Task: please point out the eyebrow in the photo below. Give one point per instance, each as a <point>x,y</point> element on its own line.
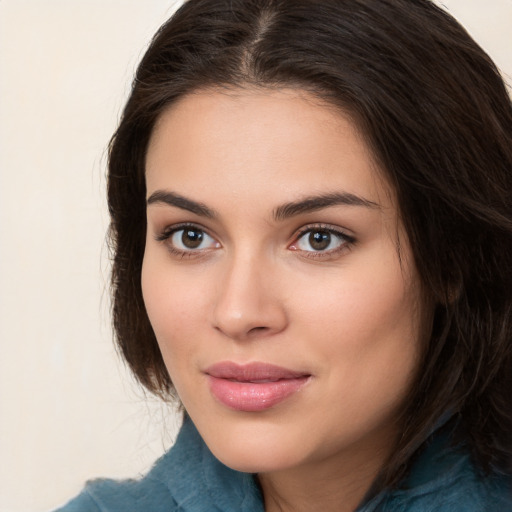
<point>285,211</point>
<point>314,203</point>
<point>173,199</point>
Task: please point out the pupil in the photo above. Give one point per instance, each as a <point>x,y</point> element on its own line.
<point>320,240</point>
<point>192,238</point>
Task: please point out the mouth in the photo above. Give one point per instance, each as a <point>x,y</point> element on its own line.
<point>253,387</point>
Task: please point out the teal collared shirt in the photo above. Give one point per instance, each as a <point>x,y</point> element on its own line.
<point>189,478</point>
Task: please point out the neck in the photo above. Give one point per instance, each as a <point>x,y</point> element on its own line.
<point>338,484</point>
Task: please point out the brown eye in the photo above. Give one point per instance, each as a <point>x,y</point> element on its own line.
<point>319,240</point>
<point>192,238</point>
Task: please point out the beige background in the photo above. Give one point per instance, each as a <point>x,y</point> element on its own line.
<point>68,409</point>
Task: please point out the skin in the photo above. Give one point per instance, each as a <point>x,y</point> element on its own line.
<point>255,289</point>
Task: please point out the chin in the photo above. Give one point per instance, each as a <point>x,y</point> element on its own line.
<point>254,459</point>
<point>253,447</point>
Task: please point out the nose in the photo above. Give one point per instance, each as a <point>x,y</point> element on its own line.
<point>248,302</point>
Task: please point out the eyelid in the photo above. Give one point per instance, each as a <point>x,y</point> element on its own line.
<point>347,240</point>
<point>165,235</point>
<point>340,233</point>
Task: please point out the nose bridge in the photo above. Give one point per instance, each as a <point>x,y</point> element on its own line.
<point>247,302</point>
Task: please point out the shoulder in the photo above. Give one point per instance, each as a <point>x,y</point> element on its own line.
<point>464,493</point>
<point>188,478</point>
<point>149,493</point>
<point>444,479</point>
<point>122,495</point>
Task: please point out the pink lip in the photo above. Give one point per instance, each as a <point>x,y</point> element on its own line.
<point>253,387</point>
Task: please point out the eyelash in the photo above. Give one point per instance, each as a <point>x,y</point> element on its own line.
<point>346,241</point>
<point>169,231</point>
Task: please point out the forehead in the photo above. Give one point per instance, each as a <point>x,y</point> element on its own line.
<point>261,143</point>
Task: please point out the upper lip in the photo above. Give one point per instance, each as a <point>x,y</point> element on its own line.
<point>252,372</point>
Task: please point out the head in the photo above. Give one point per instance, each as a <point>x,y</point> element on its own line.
<point>432,112</point>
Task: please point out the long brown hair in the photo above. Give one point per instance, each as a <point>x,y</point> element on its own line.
<point>436,113</point>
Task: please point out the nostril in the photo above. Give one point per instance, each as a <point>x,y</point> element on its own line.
<point>257,329</point>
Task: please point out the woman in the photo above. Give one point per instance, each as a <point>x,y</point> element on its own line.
<point>312,232</point>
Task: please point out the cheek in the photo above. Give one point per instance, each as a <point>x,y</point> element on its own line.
<point>365,304</point>
<point>173,302</point>
<point>366,328</point>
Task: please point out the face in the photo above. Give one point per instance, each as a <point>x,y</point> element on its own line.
<point>286,317</point>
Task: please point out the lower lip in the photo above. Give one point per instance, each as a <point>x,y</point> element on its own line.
<point>254,396</point>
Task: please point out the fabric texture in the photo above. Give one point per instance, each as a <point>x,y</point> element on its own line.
<point>189,478</point>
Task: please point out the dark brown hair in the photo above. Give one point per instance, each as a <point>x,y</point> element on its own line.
<point>436,113</point>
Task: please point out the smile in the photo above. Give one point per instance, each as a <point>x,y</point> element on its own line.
<point>253,387</point>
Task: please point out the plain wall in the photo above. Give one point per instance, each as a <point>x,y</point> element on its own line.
<point>68,409</point>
